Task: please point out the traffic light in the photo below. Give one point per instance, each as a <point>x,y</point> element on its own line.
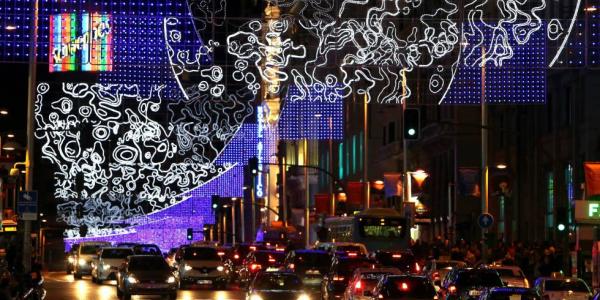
<point>253,165</point>
<point>412,124</point>
<point>561,218</point>
<point>215,202</point>
<point>190,234</point>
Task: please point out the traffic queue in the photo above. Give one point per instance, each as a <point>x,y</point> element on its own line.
<point>327,271</point>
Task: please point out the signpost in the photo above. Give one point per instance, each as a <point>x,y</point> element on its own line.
<point>27,206</point>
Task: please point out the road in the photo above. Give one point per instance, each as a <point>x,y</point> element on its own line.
<point>61,286</point>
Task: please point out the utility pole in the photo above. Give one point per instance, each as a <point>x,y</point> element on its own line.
<point>484,157</point>
<point>307,194</point>
<point>27,249</point>
<point>366,157</point>
<point>406,175</point>
<point>233,222</point>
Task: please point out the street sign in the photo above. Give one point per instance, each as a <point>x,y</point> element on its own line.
<point>485,221</point>
<point>27,206</point>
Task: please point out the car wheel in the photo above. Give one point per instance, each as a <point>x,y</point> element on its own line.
<point>99,281</point>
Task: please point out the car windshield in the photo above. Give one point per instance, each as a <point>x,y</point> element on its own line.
<point>447,264</point>
<point>311,260</point>
<point>200,254</point>
<point>269,257</point>
<point>564,285</point>
<point>89,249</point>
<point>116,253</point>
<point>147,249</point>
<point>479,278</point>
<point>370,280</point>
<point>148,263</point>
<point>408,287</point>
<point>510,273</point>
<point>348,266</point>
<point>278,282</point>
<point>349,248</point>
<point>394,259</point>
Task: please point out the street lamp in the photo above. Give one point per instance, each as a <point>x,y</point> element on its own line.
<point>501,166</point>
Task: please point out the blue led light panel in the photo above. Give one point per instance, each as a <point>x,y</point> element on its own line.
<point>309,118</point>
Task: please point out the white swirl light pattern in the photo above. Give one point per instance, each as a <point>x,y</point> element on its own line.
<point>366,47</point>
<point>116,157</point>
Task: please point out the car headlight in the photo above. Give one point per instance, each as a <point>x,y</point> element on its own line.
<point>187,268</point>
<point>303,297</point>
<point>82,262</point>
<point>255,297</point>
<point>220,268</point>
<point>106,267</point>
<point>71,260</point>
<point>171,279</point>
<point>131,280</point>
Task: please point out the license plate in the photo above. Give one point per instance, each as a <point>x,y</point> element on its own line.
<point>312,281</point>
<point>154,286</point>
<point>474,293</point>
<point>272,269</point>
<point>204,282</point>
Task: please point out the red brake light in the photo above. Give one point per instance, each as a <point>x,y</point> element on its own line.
<point>252,248</point>
<point>292,266</point>
<point>255,267</point>
<point>338,278</point>
<point>352,254</point>
<point>396,255</point>
<point>436,275</point>
<point>280,249</point>
<point>417,267</point>
<point>236,256</point>
<point>271,259</point>
<point>220,253</point>
<point>404,286</point>
<point>358,285</point>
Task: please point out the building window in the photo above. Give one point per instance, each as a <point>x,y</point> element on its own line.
<point>341,160</point>
<point>550,201</point>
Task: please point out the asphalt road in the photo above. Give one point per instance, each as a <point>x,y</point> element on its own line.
<point>60,286</point>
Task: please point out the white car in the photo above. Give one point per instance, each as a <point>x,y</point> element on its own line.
<point>86,254</point>
<point>363,281</point>
<point>512,276</point>
<point>106,266</point>
<point>563,288</point>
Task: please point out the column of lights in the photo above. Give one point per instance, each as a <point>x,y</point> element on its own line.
<point>593,37</point>
<point>310,117</point>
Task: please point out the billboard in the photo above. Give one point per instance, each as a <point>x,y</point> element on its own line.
<point>80,42</point>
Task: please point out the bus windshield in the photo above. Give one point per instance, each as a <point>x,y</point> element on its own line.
<point>381,228</point>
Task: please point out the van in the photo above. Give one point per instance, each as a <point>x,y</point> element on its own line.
<point>86,254</point>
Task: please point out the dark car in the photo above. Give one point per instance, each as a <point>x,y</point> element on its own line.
<point>146,275</point>
<point>276,286</point>
<point>403,260</point>
<point>261,260</point>
<point>469,283</point>
<point>396,287</point>
<point>146,249</point>
<point>310,265</point>
<point>336,280</point>
<point>126,245</point>
<point>508,293</point>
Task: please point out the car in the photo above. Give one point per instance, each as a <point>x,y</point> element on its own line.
<point>469,283</point>
<point>437,269</point>
<point>146,249</point>
<point>336,280</point>
<point>504,293</point>
<point>343,248</point>
<point>239,252</point>
<point>146,275</point>
<point>310,265</point>
<point>106,266</point>
<point>276,286</point>
<point>511,276</point>
<point>171,256</point>
<point>260,260</point>
<point>126,245</point>
<point>403,260</point>
<point>551,288</point>
<point>71,258</point>
<point>201,266</point>
<point>396,287</point>
<point>86,254</point>
<point>362,282</point>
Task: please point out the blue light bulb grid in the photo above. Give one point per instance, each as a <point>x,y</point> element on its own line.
<point>308,118</point>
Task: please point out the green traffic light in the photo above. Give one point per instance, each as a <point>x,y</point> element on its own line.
<point>215,206</point>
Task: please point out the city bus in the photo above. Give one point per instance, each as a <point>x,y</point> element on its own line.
<point>376,228</point>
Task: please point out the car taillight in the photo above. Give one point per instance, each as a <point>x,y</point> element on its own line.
<point>236,256</point>
<point>436,276</point>
<point>280,249</point>
<point>417,267</point>
<point>271,260</point>
<point>526,283</point>
<point>404,286</point>
<point>220,253</point>
<point>396,255</point>
<point>452,290</point>
<point>255,267</point>
<point>252,248</point>
<point>292,266</point>
<point>358,285</point>
<point>338,278</point>
<point>352,254</point>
